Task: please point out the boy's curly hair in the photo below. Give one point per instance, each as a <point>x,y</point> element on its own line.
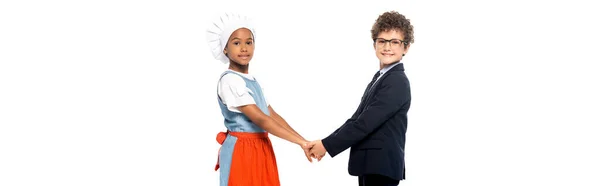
<point>393,20</point>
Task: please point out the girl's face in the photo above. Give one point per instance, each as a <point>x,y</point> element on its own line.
<point>240,47</point>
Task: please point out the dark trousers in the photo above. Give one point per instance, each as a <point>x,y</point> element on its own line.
<point>376,180</point>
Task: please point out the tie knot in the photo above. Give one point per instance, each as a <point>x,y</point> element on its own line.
<point>376,75</point>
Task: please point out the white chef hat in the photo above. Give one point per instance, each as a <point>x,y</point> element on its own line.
<point>220,30</point>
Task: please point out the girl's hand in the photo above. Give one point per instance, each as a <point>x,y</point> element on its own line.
<point>306,148</point>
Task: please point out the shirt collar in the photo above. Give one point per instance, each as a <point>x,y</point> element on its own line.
<point>384,70</point>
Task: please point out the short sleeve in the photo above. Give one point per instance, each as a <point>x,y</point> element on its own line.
<point>233,92</point>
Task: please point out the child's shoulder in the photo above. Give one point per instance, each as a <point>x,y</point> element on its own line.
<point>236,78</point>
<point>237,75</point>
<point>228,77</point>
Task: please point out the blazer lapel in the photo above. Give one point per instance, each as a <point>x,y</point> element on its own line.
<point>368,92</point>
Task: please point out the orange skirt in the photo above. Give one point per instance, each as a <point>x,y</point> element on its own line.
<point>253,162</point>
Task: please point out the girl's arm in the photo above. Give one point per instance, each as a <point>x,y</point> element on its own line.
<point>282,122</point>
<point>270,125</point>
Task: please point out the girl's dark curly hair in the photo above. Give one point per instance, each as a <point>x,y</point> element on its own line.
<point>393,20</point>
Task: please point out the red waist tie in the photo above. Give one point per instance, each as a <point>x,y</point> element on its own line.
<point>221,136</point>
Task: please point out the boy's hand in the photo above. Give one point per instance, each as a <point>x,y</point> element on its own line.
<point>317,149</point>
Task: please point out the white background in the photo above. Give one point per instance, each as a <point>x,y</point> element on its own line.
<point>124,92</point>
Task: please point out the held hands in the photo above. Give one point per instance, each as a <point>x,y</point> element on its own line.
<point>314,150</point>
<point>306,148</point>
<point>317,149</point>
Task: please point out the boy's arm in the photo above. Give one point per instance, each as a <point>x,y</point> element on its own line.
<point>386,102</point>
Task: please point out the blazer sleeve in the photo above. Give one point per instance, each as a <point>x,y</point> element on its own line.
<point>351,118</point>
<point>387,101</point>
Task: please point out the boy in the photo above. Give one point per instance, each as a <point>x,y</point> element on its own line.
<point>376,133</point>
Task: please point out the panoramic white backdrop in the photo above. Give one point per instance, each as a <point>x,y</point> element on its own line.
<point>124,92</point>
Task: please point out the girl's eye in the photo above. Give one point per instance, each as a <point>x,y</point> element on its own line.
<point>249,43</point>
<point>236,43</point>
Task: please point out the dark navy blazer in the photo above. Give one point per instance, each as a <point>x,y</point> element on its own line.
<point>376,133</point>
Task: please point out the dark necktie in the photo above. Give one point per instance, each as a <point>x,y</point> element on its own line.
<point>373,80</point>
<point>370,84</point>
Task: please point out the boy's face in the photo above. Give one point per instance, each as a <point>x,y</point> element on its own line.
<point>240,47</point>
<point>389,47</point>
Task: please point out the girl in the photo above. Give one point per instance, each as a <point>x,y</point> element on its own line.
<point>246,157</point>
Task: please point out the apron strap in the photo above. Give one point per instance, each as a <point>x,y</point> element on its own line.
<point>221,136</point>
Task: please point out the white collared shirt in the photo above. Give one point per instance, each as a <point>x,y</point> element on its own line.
<point>386,69</point>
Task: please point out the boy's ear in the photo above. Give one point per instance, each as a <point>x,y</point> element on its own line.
<point>406,49</point>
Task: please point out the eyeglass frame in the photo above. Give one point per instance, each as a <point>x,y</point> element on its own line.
<point>389,41</point>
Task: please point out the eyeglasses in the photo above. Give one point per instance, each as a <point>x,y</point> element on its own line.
<point>380,42</point>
